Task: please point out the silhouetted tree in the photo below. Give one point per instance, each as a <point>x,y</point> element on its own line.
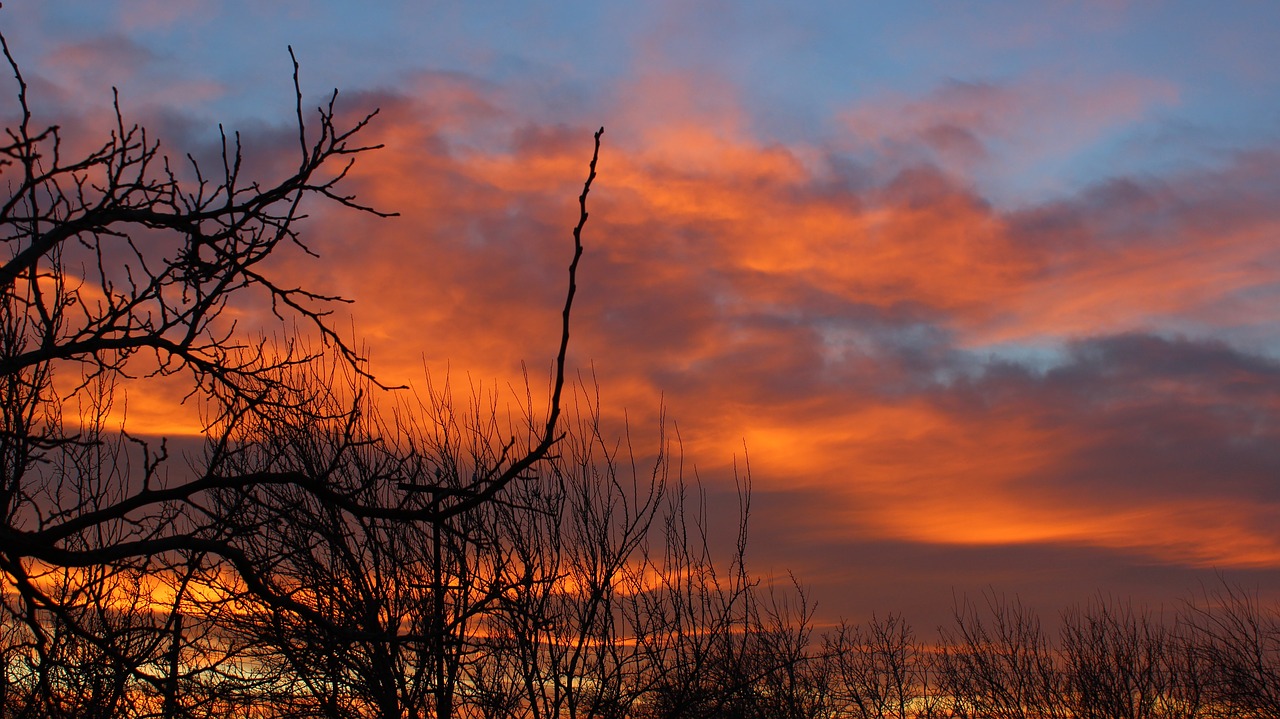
<point>1116,662</point>
<point>999,664</point>
<point>879,671</point>
<point>582,545</point>
<point>399,600</point>
<point>1236,644</point>
<point>121,267</point>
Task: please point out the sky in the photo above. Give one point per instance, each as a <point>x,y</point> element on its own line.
<point>987,292</point>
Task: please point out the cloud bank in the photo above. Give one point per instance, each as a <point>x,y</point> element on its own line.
<point>930,364</point>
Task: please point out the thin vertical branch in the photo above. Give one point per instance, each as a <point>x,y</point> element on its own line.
<point>573,288</point>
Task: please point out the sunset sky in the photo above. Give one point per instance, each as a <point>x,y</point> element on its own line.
<point>989,291</point>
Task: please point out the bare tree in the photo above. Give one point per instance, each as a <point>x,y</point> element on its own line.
<point>999,664</point>
<point>788,679</point>
<point>121,267</point>
<point>1116,663</point>
<point>576,549</point>
<point>1187,671</point>
<point>399,600</point>
<point>1236,643</point>
<point>97,650</point>
<point>584,590</point>
<point>879,671</point>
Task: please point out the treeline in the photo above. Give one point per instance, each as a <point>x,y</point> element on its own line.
<point>587,588</point>
<point>594,587</point>
<point>1216,656</point>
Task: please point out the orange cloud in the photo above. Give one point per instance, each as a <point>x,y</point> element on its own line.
<point>845,320</point>
<point>767,300</point>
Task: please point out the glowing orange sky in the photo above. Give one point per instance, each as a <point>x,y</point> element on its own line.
<point>984,326</point>
<point>716,276</point>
